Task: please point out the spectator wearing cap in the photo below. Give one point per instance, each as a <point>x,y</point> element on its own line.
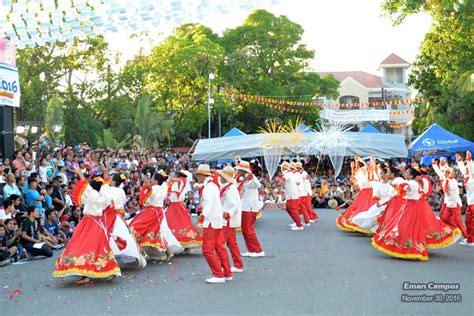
<point>10,187</point>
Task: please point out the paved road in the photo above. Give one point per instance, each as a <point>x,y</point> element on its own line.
<point>321,270</point>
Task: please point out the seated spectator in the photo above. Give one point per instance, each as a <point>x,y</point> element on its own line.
<point>19,206</point>
<point>75,217</point>
<point>67,196</point>
<point>51,225</point>
<point>10,187</point>
<point>333,193</point>
<point>30,236</point>
<point>62,174</point>
<point>7,212</point>
<point>21,183</point>
<point>318,198</point>
<point>33,197</point>
<point>12,233</point>
<point>47,197</point>
<point>6,253</point>
<point>192,203</point>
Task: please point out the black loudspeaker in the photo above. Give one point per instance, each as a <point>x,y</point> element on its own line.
<point>7,136</point>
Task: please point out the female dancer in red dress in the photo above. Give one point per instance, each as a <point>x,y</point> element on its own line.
<point>123,244</point>
<point>146,225</point>
<point>415,228</point>
<point>178,217</point>
<point>88,253</point>
<point>394,206</point>
<point>361,174</point>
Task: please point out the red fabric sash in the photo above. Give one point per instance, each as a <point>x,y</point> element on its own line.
<point>224,190</point>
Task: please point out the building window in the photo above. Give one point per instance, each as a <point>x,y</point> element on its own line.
<point>394,75</point>
<point>348,99</point>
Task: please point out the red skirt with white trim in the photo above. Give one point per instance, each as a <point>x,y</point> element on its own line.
<point>362,202</point>
<point>181,225</point>
<point>145,228</point>
<point>414,229</point>
<point>88,252</point>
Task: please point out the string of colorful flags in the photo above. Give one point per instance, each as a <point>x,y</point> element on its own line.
<point>265,100</point>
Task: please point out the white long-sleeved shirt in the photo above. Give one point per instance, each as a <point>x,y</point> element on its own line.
<point>300,184</point>
<point>291,188</point>
<point>117,195</point>
<point>250,200</point>
<point>384,191</point>
<point>211,205</point>
<point>362,178</point>
<point>451,196</point>
<point>157,196</point>
<point>307,183</point>
<point>94,202</point>
<point>467,172</point>
<point>178,190</point>
<point>232,204</point>
<point>412,190</point>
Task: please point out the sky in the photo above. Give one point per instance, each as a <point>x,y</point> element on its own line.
<point>347,35</point>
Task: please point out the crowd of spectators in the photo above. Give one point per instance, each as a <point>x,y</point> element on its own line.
<point>38,215</point>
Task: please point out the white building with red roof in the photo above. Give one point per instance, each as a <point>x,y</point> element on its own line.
<point>360,90</point>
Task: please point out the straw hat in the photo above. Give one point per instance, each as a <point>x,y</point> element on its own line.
<point>332,203</point>
<point>203,169</point>
<point>244,166</point>
<point>285,166</point>
<point>227,173</point>
<point>293,166</point>
<point>299,165</point>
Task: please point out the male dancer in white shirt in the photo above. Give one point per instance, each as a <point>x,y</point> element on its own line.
<point>213,247</point>
<point>291,195</point>
<point>232,207</point>
<point>248,185</point>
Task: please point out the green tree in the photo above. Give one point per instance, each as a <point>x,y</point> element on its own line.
<point>54,119</point>
<point>178,76</point>
<point>443,71</point>
<point>152,128</point>
<point>265,57</point>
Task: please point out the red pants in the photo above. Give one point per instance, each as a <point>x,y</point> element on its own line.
<point>452,217</point>
<point>248,231</point>
<point>304,209</point>
<point>442,210</point>
<point>470,223</point>
<point>231,240</point>
<point>214,251</point>
<point>309,207</point>
<point>292,207</point>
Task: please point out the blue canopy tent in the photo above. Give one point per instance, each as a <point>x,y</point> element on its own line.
<point>306,128</point>
<point>233,132</point>
<point>369,128</point>
<point>437,140</point>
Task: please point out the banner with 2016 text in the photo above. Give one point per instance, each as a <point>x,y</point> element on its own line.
<point>355,115</point>
<point>9,86</point>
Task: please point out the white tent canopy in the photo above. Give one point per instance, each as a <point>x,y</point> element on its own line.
<point>362,144</point>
